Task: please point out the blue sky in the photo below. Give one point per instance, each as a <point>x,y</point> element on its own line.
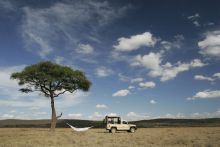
<point>146,59</point>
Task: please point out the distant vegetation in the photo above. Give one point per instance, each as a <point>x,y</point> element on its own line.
<point>210,122</point>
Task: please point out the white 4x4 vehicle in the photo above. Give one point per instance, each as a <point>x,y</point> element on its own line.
<point>114,123</point>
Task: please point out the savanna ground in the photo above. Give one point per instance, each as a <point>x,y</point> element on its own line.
<point>35,137</point>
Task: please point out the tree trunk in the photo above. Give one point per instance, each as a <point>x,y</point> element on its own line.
<point>53,116</point>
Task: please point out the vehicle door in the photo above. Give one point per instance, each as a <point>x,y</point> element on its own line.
<point>125,125</point>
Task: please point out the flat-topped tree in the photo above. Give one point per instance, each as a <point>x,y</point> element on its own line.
<point>52,80</point>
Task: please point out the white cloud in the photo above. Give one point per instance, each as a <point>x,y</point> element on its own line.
<point>176,43</point>
<point>7,5</point>
<point>25,115</point>
<point>101,106</point>
<point>166,45</point>
<point>147,84</point>
<point>118,56</point>
<point>153,62</point>
<point>59,59</point>
<point>136,80</point>
<point>153,102</point>
<point>7,116</point>
<point>210,46</point>
<point>201,77</point>
<point>135,42</point>
<point>21,102</point>
<point>193,17</point>
<point>123,92</point>
<point>18,114</point>
<point>13,111</point>
<point>43,45</point>
<point>197,115</point>
<point>85,49</point>
<point>209,24</point>
<point>123,77</point>
<point>5,73</point>
<point>75,115</point>
<point>196,23</point>
<point>100,116</point>
<point>206,94</point>
<point>70,99</point>
<point>67,22</point>
<point>217,75</point>
<point>112,114</point>
<point>34,100</point>
<point>171,71</point>
<point>175,116</point>
<point>103,71</point>
<point>197,63</point>
<point>131,87</point>
<point>178,38</point>
<point>96,116</point>
<point>131,116</point>
<point>40,113</point>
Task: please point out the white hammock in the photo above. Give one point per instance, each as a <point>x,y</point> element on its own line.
<point>79,129</point>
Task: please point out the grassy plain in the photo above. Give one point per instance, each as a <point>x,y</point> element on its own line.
<point>146,137</point>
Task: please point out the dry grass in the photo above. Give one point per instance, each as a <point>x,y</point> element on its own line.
<point>27,137</point>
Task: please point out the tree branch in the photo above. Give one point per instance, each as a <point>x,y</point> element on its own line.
<point>44,91</point>
<point>59,115</point>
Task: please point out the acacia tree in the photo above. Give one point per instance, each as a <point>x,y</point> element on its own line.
<point>52,80</point>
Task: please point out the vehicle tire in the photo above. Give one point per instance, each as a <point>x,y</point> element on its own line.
<point>132,129</point>
<point>113,130</point>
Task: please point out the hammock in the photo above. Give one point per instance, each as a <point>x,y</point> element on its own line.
<point>79,129</point>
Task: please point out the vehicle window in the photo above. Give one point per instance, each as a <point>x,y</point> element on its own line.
<point>124,122</point>
<point>114,121</point>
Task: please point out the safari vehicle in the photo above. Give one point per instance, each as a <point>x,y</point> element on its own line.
<point>114,123</point>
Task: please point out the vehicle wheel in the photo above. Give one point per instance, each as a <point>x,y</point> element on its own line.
<point>113,130</point>
<point>132,130</point>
